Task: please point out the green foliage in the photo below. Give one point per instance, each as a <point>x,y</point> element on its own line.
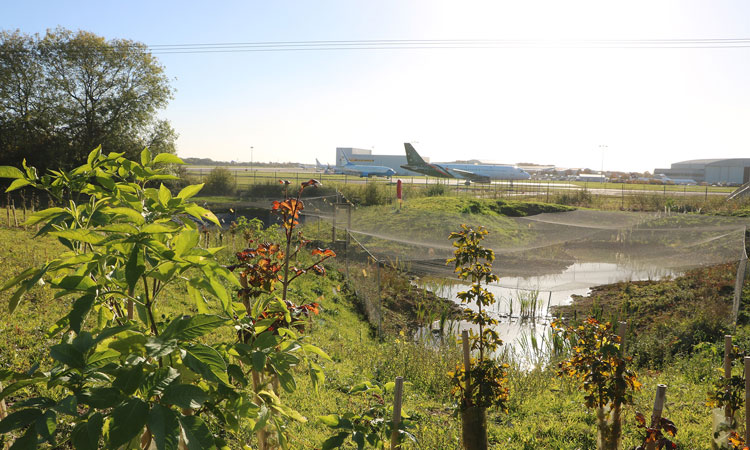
<point>371,425</point>
<point>119,365</point>
<point>729,391</point>
<point>66,92</point>
<point>219,181</point>
<point>435,190</point>
<point>473,263</point>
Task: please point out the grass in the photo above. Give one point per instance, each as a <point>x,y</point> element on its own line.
<point>545,412</point>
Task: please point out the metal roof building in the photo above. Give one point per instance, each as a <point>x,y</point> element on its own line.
<point>732,171</point>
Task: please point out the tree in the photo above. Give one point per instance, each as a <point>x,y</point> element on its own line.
<point>68,92</point>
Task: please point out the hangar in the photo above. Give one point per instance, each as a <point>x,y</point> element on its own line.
<point>732,171</point>
<point>365,157</point>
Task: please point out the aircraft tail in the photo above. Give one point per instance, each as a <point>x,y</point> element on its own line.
<point>345,158</point>
<point>318,165</point>
<point>412,157</point>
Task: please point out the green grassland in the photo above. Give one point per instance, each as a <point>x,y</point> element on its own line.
<point>545,412</point>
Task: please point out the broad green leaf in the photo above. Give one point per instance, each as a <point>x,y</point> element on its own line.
<point>101,397</point>
<point>67,354</point>
<point>76,282</point>
<point>164,195</point>
<point>186,328</point>
<point>197,435</point>
<point>206,361</point>
<point>18,183</point>
<point>133,215</point>
<point>125,228</point>
<point>185,241</point>
<point>20,384</point>
<point>316,350</point>
<point>189,191</point>
<point>287,381</point>
<point>79,235</point>
<point>134,268</point>
<point>200,302</point>
<point>331,420</point>
<point>86,435</point>
<point>21,276</point>
<point>129,379</point>
<point>335,441</point>
<point>10,172</point>
<point>68,405</point>
<point>157,381</point>
<point>127,422</point>
<point>201,213</point>
<point>154,228</point>
<point>19,419</point>
<point>93,155</point>
<point>145,157</point>
<point>43,215</point>
<point>101,359</point>
<point>165,427</point>
<point>185,396</point>
<point>26,442</point>
<point>167,158</point>
<point>259,361</point>
<point>111,331</point>
<point>46,425</point>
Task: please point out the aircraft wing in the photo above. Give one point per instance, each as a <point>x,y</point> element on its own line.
<point>471,176</point>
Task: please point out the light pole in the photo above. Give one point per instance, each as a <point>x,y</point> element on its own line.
<point>602,147</point>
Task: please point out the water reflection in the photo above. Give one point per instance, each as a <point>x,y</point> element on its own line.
<point>523,303</point>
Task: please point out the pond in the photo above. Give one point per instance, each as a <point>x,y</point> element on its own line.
<point>523,303</point>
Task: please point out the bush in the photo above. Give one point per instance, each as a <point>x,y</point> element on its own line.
<point>220,182</point>
<point>435,190</point>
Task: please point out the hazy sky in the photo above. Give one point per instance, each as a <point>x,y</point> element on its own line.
<point>649,106</point>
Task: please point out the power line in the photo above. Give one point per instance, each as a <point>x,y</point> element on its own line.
<point>424,44</point>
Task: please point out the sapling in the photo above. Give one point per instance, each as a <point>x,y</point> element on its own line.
<point>487,377</point>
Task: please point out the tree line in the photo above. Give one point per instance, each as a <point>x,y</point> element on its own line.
<point>65,93</point>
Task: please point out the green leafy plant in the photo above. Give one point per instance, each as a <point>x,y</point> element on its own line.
<point>486,384</point>
<point>120,374</point>
<point>125,375</point>
<point>597,363</point>
<point>371,426</point>
<point>729,392</point>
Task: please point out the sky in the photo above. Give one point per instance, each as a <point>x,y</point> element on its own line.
<point>629,109</point>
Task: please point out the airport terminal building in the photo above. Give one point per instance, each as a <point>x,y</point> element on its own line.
<point>365,157</point>
<point>734,171</point>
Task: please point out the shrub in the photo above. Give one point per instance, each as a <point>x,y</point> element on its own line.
<point>220,182</point>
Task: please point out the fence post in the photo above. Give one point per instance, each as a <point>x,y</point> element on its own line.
<point>467,362</point>
<point>397,398</point>
<point>13,208</point>
<point>728,369</point>
<point>747,398</point>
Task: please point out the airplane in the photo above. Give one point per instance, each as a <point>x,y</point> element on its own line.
<point>478,173</point>
<point>364,171</point>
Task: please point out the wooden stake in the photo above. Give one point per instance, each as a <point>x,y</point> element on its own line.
<point>621,329</point>
<point>15,218</point>
<point>728,369</point>
<point>397,399</point>
<point>467,365</point>
<point>747,398</point>
<point>3,407</point>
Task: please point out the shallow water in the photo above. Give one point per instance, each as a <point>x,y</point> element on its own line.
<point>522,304</point>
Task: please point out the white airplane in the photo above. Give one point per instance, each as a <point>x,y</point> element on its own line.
<point>478,173</point>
